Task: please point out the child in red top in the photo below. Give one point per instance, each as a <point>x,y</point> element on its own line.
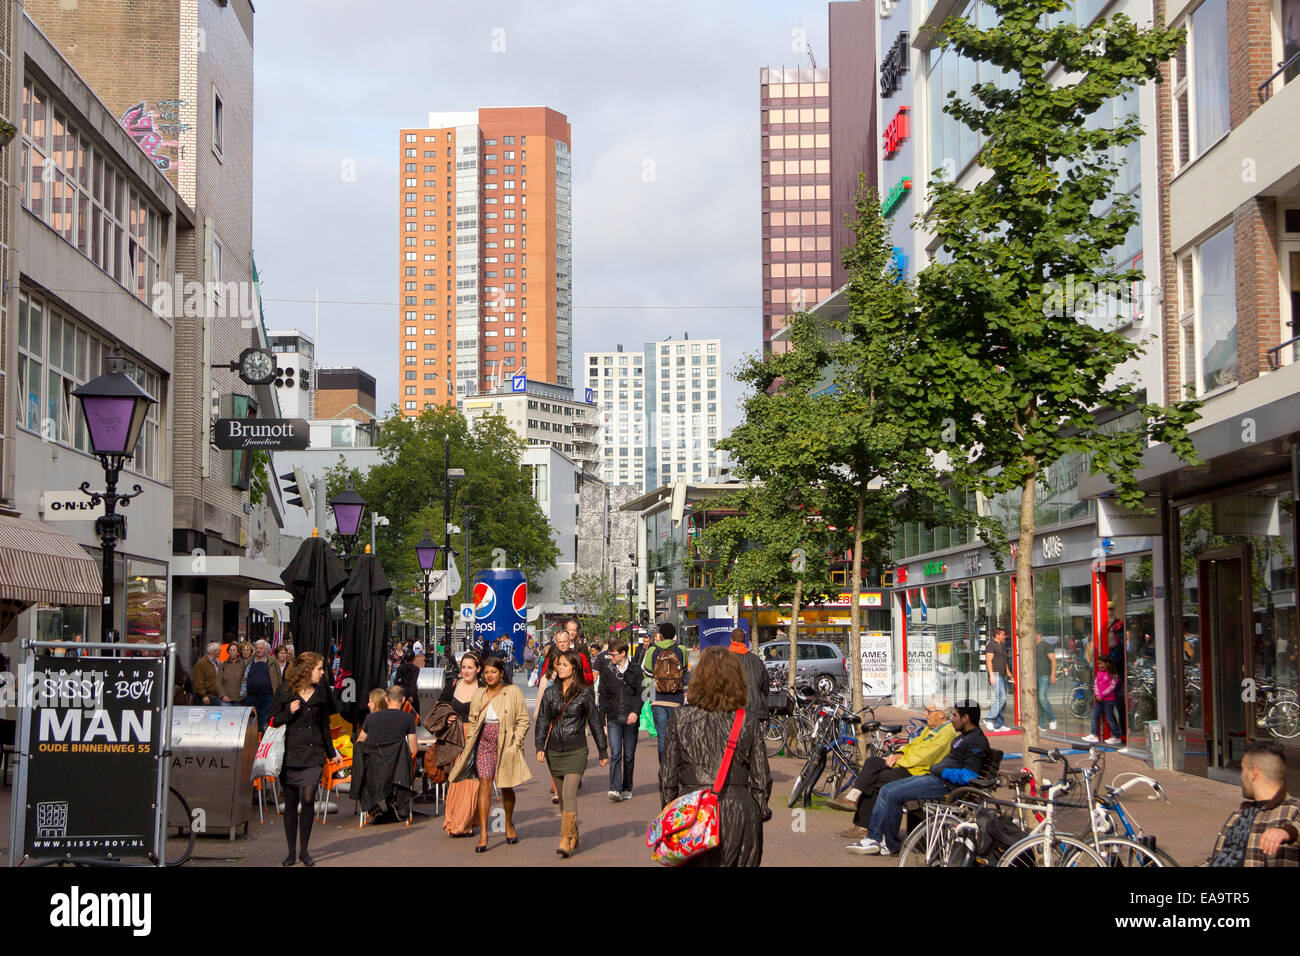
<point>1104,688</point>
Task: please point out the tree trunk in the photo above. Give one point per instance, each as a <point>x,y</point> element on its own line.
<point>855,625</point>
<point>1026,632</point>
<point>794,632</point>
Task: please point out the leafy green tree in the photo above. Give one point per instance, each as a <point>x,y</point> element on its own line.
<point>596,602</point>
<point>505,522</point>
<point>1011,375</point>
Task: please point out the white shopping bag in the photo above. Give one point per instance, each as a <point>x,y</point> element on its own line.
<point>270,753</point>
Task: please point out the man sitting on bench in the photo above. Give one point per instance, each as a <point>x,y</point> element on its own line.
<point>969,751</point>
<point>911,760</point>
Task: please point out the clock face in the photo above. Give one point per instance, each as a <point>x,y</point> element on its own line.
<point>256,367</point>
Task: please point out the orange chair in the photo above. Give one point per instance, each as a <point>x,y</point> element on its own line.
<point>329,782</point>
<point>258,784</point>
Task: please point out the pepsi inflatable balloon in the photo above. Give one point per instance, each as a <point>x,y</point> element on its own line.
<point>501,608</point>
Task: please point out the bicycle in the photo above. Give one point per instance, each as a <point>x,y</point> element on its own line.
<point>831,745</point>
<point>186,827</point>
<point>1282,716</point>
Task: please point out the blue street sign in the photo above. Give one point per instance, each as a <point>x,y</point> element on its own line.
<point>519,383</point>
<point>591,396</point>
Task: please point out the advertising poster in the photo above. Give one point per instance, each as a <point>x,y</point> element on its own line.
<point>716,631</point>
<point>921,683</point>
<point>94,733</point>
<point>877,664</point>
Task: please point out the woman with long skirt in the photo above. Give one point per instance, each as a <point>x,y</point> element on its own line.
<point>494,741</point>
<point>462,797</point>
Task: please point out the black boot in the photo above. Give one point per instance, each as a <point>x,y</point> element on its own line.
<point>290,833</point>
<point>304,834</point>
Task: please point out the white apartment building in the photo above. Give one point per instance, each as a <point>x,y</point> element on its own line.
<point>660,411</point>
<point>542,414</point>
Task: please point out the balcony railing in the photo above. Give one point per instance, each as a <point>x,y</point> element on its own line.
<point>1289,349</point>
<point>1266,88</point>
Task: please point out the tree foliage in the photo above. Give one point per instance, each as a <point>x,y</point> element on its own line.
<point>597,603</point>
<point>495,496</point>
<point>1011,374</point>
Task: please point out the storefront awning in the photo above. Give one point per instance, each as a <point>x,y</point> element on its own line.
<point>245,572</point>
<point>39,565</point>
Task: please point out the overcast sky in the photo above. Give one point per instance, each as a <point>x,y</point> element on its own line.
<point>670,87</point>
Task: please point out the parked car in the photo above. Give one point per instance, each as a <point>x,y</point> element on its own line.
<point>820,661</point>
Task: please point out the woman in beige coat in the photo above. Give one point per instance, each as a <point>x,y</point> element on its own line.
<point>494,740</point>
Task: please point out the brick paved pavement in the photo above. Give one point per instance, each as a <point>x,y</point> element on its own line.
<point>613,834</point>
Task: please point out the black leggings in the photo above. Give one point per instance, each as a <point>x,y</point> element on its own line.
<point>297,826</point>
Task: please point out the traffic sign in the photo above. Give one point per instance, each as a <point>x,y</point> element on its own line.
<point>467,612</point>
<point>438,586</point>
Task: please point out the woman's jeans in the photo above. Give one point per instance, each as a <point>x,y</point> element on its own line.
<point>1112,717</point>
<point>1045,713</point>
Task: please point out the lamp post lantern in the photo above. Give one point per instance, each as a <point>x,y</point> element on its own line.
<point>115,408</point>
<point>348,507</point>
<point>427,553</point>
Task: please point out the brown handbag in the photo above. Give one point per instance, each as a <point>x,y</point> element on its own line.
<point>432,771</point>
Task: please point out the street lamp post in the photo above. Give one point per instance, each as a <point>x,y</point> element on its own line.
<point>348,508</point>
<point>115,408</point>
<point>427,552</point>
<point>630,582</point>
<point>450,475</point>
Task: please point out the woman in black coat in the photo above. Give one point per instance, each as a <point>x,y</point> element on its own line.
<point>303,706</point>
<point>694,745</point>
<point>565,712</point>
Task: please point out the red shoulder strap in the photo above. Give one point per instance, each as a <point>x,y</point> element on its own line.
<point>731,749</point>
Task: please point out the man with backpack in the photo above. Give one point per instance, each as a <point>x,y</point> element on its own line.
<point>665,667</point>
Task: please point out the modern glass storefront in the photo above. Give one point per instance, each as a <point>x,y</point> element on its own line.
<point>1089,603</point>
<point>1236,675</point>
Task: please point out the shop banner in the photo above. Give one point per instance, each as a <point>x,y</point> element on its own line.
<point>920,666</point>
<point>716,631</point>
<point>877,664</point>
<point>94,734</point>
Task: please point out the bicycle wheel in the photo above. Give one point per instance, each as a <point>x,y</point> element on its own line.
<point>808,777</point>
<point>798,737</point>
<point>1060,850</point>
<point>1080,702</point>
<point>838,779</point>
<point>1121,851</point>
<point>773,735</point>
<point>1284,719</point>
<point>184,849</point>
<point>915,847</point>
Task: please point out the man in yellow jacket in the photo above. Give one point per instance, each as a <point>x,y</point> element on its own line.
<point>914,758</point>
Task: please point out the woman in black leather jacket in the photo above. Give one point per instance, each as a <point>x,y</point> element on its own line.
<point>566,709</point>
<point>303,705</point>
<point>694,745</point>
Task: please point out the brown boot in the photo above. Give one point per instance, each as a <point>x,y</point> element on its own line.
<point>568,834</point>
<point>574,849</point>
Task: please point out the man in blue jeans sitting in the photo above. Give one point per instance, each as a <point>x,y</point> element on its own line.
<point>962,765</point>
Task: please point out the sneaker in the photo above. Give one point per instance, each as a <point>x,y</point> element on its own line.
<point>1051,725</point>
<point>988,725</point>
<point>867,847</point>
<point>853,833</point>
<point>1113,741</point>
<point>614,796</point>
<point>1091,739</point>
<point>885,851</point>
<point>626,794</point>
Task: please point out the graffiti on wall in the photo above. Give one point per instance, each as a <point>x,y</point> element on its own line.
<point>157,130</point>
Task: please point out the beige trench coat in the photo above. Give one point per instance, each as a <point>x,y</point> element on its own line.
<point>512,712</point>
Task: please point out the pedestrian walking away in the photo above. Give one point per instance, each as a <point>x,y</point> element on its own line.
<point>1265,830</point>
<point>303,706</point>
<point>619,700</point>
<point>755,676</point>
<point>566,710</point>
<point>665,671</point>
<point>462,797</point>
<point>696,742</point>
<point>494,746</point>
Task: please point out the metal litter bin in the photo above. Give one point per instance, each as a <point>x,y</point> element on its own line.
<point>212,767</point>
<point>428,686</point>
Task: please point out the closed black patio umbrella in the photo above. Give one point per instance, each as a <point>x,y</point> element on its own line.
<point>365,606</point>
<point>312,578</point>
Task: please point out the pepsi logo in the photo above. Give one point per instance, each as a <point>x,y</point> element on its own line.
<point>520,599</point>
<point>485,600</point>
